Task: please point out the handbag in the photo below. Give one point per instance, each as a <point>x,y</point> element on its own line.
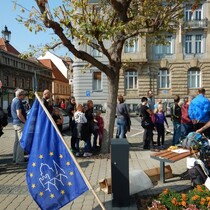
<point>146,123</point>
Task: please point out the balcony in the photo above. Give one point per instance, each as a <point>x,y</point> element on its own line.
<point>194,24</point>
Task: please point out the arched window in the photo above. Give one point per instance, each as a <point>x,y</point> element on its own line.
<point>194,78</point>
<point>131,77</point>
<point>164,78</point>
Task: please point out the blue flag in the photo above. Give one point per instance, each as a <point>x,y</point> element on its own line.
<point>52,176</point>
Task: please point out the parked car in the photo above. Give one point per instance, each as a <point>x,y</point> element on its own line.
<point>65,119</point>
<point>98,107</point>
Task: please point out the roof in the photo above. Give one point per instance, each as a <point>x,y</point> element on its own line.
<point>55,71</point>
<point>6,46</point>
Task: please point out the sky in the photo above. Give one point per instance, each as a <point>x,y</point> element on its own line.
<point>21,38</point>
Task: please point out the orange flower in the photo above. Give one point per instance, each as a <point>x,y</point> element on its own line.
<point>209,203</point>
<point>199,188</point>
<point>165,191</point>
<point>174,201</point>
<point>184,197</point>
<point>195,197</point>
<point>184,203</point>
<point>203,199</point>
<point>208,198</point>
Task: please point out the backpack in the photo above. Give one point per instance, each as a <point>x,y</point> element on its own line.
<point>3,118</point>
<point>197,175</point>
<point>205,156</point>
<point>193,140</point>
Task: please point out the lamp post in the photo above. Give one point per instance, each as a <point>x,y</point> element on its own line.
<point>35,82</point>
<point>6,34</point>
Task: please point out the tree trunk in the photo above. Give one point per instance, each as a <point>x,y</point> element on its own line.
<point>109,119</point>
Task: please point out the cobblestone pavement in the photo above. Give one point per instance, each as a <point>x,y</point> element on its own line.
<point>14,193</point>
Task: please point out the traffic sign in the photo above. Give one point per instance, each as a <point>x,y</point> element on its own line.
<point>87,93</point>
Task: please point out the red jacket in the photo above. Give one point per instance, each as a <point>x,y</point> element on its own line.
<point>185,117</point>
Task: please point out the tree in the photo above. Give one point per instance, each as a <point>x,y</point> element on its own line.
<point>93,22</point>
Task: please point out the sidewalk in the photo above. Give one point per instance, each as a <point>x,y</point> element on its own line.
<point>14,192</point>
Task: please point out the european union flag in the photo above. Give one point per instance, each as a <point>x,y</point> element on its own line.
<point>52,176</point>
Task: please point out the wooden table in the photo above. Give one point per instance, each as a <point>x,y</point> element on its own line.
<point>167,156</point>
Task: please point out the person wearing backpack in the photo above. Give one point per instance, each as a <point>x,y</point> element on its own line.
<point>176,114</point>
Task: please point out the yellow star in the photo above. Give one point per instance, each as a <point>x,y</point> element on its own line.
<point>33,186</point>
<point>52,195</point>
<point>51,154</point>
<point>71,173</point>
<point>31,174</point>
<point>62,192</point>
<point>61,156</point>
<point>40,156</point>
<point>69,183</point>
<point>41,193</point>
<point>68,163</point>
<point>33,164</point>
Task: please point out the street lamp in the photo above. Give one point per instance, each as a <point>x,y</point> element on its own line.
<point>6,34</point>
<point>35,82</point>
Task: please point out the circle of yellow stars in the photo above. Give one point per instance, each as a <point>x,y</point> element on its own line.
<point>70,173</point>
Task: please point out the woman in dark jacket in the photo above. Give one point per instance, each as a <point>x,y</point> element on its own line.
<point>123,118</point>
<point>147,123</point>
<point>89,128</point>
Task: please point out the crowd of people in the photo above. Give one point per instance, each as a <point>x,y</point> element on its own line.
<point>192,114</point>
<point>84,124</point>
<point>187,115</point>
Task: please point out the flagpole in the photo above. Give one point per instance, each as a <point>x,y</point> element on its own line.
<point>72,156</point>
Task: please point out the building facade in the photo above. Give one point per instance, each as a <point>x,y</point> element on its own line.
<point>180,67</point>
<point>60,84</point>
<point>15,72</point>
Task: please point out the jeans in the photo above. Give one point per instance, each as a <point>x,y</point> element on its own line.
<point>177,133</point>
<point>161,133</point>
<point>121,128</point>
<point>147,137</point>
<point>185,129</point>
<point>87,147</point>
<point>18,152</point>
<point>95,137</point>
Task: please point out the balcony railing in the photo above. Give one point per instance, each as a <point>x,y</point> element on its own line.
<point>196,23</point>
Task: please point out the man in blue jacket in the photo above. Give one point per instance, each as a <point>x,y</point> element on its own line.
<point>199,110</point>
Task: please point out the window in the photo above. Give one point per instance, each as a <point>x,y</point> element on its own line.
<point>131,45</point>
<point>28,83</point>
<point>196,15</point>
<point>14,82</point>
<point>164,78</point>
<point>22,83</point>
<point>194,78</point>
<point>188,12</point>
<point>6,81</point>
<point>131,78</point>
<point>165,49</point>
<point>97,85</point>
<point>188,44</point>
<point>194,44</point>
